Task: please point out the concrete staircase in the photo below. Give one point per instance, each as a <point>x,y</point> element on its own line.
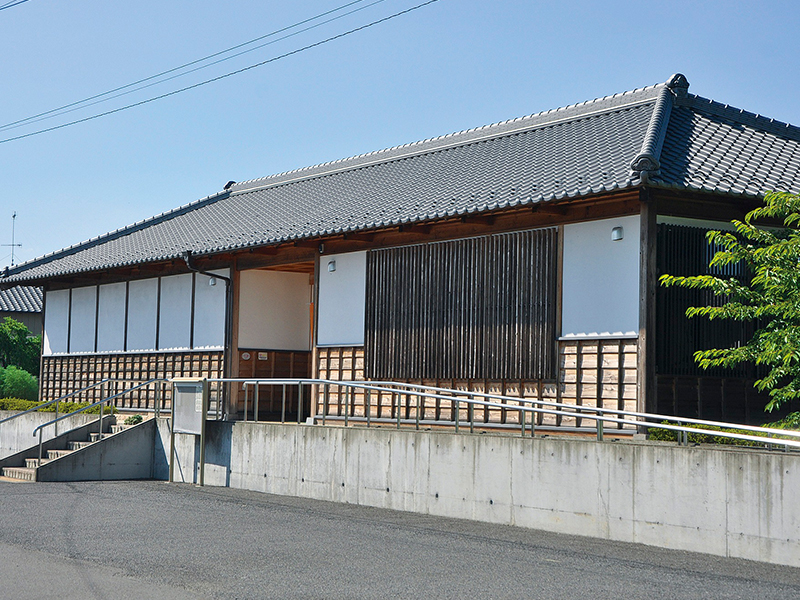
<point>29,471</point>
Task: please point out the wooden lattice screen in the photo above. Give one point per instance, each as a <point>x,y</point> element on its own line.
<point>479,308</point>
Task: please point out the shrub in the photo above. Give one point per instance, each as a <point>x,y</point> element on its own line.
<point>18,383</point>
<point>133,420</point>
<point>63,407</point>
<point>668,435</point>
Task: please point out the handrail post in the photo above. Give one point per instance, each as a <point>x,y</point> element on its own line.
<point>533,419</point>
<point>55,425</point>
<point>599,422</point>
<point>255,402</point>
<point>396,395</point>
<point>283,405</point>
<point>522,420</point>
<point>458,415</point>
<point>367,405</point>
<point>325,394</point>
<point>419,408</point>
<point>472,417</point>
<point>348,392</point>
<point>39,462</point>
<point>300,402</point>
<point>246,392</point>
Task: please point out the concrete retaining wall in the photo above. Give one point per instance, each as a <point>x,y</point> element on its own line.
<point>17,435</point>
<point>738,503</point>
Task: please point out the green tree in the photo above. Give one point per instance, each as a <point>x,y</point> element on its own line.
<point>18,347</point>
<point>769,296</point>
<point>18,383</point>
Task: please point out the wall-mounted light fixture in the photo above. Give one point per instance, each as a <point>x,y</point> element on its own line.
<point>331,266</point>
<point>617,233</point>
<point>212,282</point>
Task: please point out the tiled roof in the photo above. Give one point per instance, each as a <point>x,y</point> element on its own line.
<point>659,135</point>
<point>21,299</point>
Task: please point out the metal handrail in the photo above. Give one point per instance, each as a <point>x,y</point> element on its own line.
<point>40,428</point>
<point>60,399</point>
<point>599,415</point>
<point>596,409</point>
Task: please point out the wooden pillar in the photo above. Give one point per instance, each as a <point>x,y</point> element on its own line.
<point>232,368</point>
<point>646,367</point>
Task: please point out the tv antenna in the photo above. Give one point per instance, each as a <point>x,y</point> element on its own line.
<point>13,244</point>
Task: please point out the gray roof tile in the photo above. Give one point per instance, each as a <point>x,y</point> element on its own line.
<point>675,139</point>
<point>21,298</point>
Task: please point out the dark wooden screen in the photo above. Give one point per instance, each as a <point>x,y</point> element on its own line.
<point>686,251</point>
<point>480,308</point>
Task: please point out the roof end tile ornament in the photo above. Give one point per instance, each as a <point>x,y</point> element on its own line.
<point>646,165</point>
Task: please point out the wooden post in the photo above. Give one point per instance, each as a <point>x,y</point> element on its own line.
<point>645,364</point>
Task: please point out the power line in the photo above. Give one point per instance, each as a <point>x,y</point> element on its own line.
<point>225,76</point>
<point>12,4</point>
<point>105,96</point>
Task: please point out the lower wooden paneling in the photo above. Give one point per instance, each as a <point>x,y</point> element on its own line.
<point>583,364</point>
<point>63,375</point>
<point>597,372</point>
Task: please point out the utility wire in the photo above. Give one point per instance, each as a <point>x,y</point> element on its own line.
<point>105,96</point>
<point>225,76</point>
<point>12,4</point>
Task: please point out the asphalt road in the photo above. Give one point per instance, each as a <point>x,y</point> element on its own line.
<point>155,540</point>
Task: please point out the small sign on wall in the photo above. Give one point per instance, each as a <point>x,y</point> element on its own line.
<point>263,356</point>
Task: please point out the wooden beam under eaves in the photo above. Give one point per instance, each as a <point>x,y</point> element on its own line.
<point>306,244</point>
<point>550,209</point>
<point>359,237</point>
<point>414,228</point>
<point>478,220</point>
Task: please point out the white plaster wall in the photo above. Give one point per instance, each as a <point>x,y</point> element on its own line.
<point>274,310</point>
<point>82,319</point>
<point>111,317</point>
<point>601,279</point>
<point>175,317</point>
<point>342,300</point>
<point>725,502</point>
<point>142,314</point>
<point>209,311</point>
<point>56,322</point>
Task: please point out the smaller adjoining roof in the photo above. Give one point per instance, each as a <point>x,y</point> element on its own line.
<point>22,299</point>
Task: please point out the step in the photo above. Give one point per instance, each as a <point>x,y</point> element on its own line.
<point>118,428</point>
<point>93,437</point>
<point>23,473</point>
<point>52,454</point>
<point>32,463</point>
<point>77,445</point>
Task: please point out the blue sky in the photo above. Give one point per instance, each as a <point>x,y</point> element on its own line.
<point>452,65</point>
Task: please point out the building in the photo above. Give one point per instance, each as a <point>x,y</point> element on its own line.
<point>24,304</point>
<point>520,257</point>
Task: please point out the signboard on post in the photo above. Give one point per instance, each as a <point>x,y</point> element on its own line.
<point>189,410</point>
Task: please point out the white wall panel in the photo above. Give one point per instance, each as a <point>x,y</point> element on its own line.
<point>342,299</point>
<point>274,310</point>
<point>82,319</point>
<point>209,311</point>
<point>601,279</point>
<point>175,320</point>
<point>111,318</point>
<point>142,314</point>
<point>56,322</point>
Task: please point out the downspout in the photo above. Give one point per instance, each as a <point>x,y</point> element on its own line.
<point>226,352</point>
